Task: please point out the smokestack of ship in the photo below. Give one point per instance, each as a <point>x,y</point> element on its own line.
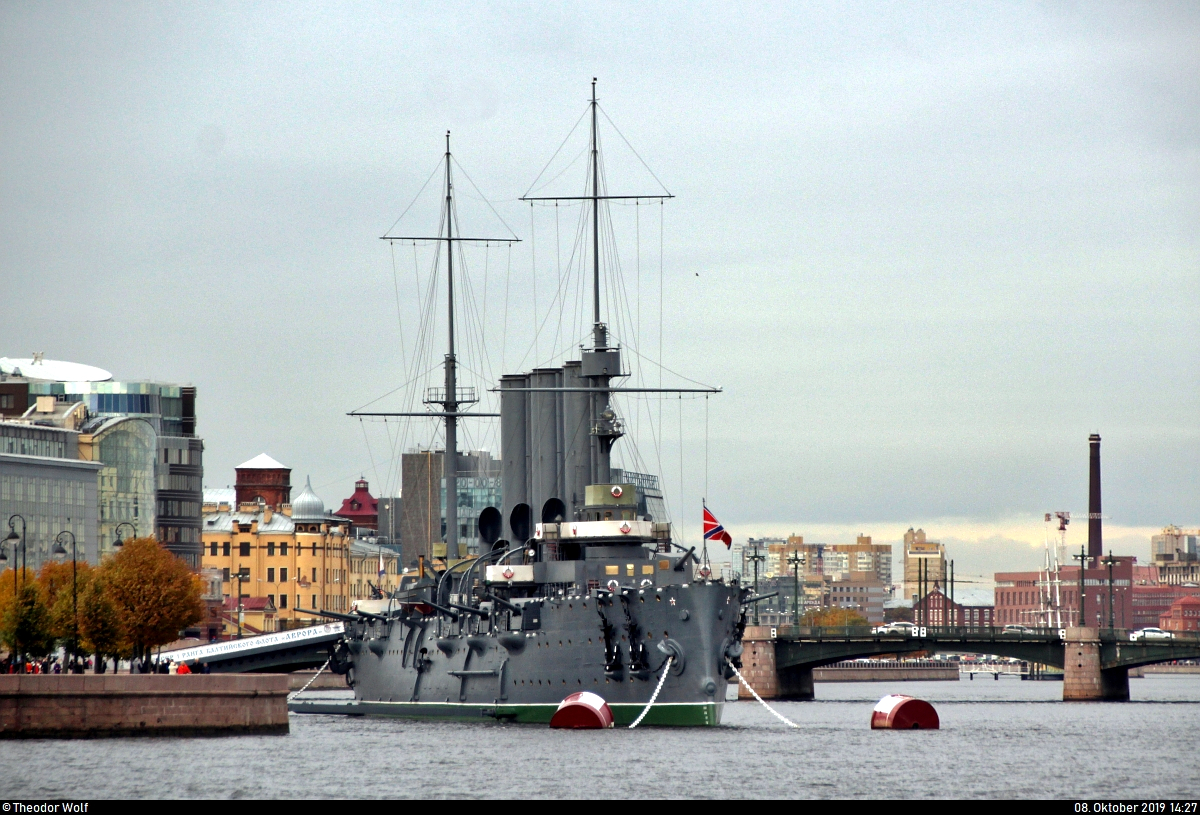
<point>1095,540</point>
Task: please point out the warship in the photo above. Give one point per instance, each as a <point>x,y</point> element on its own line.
<point>576,586</point>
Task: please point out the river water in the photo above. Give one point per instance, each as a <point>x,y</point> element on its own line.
<point>999,739</point>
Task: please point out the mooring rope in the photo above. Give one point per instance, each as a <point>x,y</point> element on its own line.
<point>661,681</point>
<point>309,682</point>
<point>774,712</point>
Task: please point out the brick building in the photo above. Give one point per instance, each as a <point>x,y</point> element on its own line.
<point>936,609</point>
<point>1184,615</point>
<point>1029,598</point>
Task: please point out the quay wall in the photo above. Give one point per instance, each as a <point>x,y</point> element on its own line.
<point>326,681</point>
<point>887,673</point>
<point>1169,669</point>
<point>88,706</point>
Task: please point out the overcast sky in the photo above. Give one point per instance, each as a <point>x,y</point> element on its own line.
<point>925,249</point>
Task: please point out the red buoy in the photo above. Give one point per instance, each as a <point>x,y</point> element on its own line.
<point>584,710</point>
<point>896,712</point>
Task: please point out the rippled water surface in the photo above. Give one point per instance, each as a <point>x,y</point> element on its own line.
<point>1003,738</point>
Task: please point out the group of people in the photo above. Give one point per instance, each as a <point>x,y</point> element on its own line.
<point>49,665</point>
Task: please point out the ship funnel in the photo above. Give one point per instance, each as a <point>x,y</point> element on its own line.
<point>553,511</point>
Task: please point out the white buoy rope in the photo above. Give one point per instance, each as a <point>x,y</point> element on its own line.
<point>661,681</point>
<point>309,682</point>
<point>774,712</point>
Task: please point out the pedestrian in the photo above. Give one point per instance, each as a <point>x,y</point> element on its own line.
<point>183,668</point>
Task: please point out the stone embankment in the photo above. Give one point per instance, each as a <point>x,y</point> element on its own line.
<point>88,706</point>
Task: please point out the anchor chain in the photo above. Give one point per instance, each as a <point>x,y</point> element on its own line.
<point>774,712</point>
<point>662,680</point>
<point>309,682</point>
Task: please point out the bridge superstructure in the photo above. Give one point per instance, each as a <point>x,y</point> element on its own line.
<point>1080,652</point>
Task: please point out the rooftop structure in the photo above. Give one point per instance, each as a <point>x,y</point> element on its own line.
<point>361,508</point>
<point>263,477</point>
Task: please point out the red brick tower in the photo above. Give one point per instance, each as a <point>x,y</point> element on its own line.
<point>264,477</point>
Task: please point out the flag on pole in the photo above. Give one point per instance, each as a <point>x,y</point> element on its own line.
<point>381,567</point>
<point>713,531</point>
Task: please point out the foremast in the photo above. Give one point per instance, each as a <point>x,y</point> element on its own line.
<point>450,399</point>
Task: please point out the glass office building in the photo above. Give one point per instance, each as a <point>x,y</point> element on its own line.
<point>168,413</point>
<point>43,482</point>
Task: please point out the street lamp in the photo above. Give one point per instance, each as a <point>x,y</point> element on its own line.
<point>59,551</point>
<point>241,575</point>
<point>795,559</point>
<point>117,542</point>
<point>757,556</point>
<point>1110,560</point>
<point>13,537</point>
<point>1082,558</point>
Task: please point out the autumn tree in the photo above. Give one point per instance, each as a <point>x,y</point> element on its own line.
<point>26,623</point>
<point>62,585</point>
<point>99,623</point>
<point>156,595</point>
<point>831,617</point>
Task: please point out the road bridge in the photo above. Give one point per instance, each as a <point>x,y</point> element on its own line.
<point>1095,661</point>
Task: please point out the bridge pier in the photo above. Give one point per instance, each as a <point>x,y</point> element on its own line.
<point>796,684</point>
<point>1083,679</point>
<point>758,663</point>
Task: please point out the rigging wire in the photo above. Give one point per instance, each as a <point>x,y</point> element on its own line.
<point>415,197</point>
<point>630,146</point>
<point>556,152</point>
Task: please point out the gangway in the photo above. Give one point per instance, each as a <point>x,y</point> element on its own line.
<point>281,652</point>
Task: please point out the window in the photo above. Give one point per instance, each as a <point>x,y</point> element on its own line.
<point>314,551</point>
<point>270,548</point>
<point>225,548</point>
<point>283,601</point>
<point>213,549</point>
<point>314,605</point>
<point>225,574</point>
<point>244,549</point>
<point>271,578</point>
<point>283,548</point>
<point>271,599</point>
<point>283,575</point>
<point>314,577</point>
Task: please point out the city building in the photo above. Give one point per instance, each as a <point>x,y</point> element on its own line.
<point>423,502</point>
<point>127,450</point>
<point>1150,602</point>
<point>43,480</point>
<point>866,597</point>
<point>263,478</point>
<point>173,512</point>
<point>296,556</point>
<point>1028,598</point>
<point>361,509</point>
<point>1175,553</point>
<point>366,559</point>
<point>936,609</point>
<point>248,617</point>
<point>1184,615</point>
<point>856,562</point>
<point>923,559</point>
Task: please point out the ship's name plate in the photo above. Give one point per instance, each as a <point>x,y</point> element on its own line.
<point>506,573</point>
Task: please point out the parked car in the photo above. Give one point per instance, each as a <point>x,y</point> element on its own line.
<point>1016,629</point>
<point>1151,634</point>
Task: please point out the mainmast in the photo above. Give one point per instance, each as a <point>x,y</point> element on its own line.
<point>597,327</point>
<point>449,401</point>
<point>449,398</point>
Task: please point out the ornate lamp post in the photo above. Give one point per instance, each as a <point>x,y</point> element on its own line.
<point>795,559</point>
<point>117,541</point>
<point>13,538</point>
<point>1082,558</point>
<point>757,557</point>
<point>1110,561</point>
<point>59,551</point>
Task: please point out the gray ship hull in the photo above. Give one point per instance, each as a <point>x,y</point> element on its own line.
<point>519,668</point>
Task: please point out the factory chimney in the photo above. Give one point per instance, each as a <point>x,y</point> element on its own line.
<point>1095,540</point>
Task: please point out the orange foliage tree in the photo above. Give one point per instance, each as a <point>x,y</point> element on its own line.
<point>832,617</point>
<point>155,594</point>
